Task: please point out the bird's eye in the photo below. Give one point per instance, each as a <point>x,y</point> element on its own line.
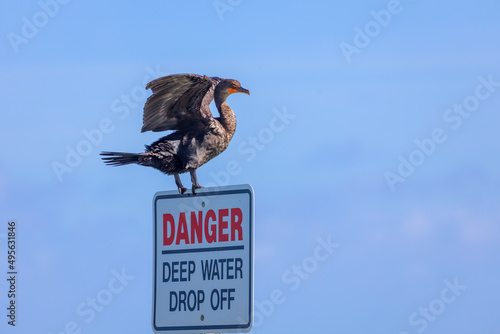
<point>231,85</point>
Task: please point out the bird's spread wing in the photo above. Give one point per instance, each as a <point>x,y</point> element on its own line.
<point>179,102</point>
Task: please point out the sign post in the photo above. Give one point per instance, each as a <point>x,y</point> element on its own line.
<point>203,261</point>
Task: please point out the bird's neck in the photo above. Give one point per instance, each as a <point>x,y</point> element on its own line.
<point>227,117</point>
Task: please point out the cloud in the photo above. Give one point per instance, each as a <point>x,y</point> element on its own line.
<point>418,224</point>
<point>479,230</point>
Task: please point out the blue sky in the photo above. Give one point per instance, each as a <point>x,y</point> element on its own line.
<point>390,151</point>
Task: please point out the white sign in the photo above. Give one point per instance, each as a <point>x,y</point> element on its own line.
<point>203,260</point>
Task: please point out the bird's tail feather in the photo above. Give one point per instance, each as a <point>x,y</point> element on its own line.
<point>120,158</point>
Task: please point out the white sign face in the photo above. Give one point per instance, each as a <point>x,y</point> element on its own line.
<point>203,260</point>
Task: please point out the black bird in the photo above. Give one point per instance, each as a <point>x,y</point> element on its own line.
<point>181,102</point>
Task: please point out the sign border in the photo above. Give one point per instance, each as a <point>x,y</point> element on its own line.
<point>225,190</point>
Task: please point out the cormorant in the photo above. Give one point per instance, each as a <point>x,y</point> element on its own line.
<point>181,102</point>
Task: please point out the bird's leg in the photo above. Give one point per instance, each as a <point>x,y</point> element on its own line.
<point>194,180</point>
<point>178,182</point>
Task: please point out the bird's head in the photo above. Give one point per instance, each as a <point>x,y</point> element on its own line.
<point>230,86</point>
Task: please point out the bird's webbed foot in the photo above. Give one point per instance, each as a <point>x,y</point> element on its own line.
<point>194,181</point>
<point>193,189</point>
<point>180,187</point>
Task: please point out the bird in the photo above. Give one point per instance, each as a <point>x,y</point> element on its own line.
<point>181,102</point>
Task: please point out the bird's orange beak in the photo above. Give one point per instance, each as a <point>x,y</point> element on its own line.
<point>238,90</point>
